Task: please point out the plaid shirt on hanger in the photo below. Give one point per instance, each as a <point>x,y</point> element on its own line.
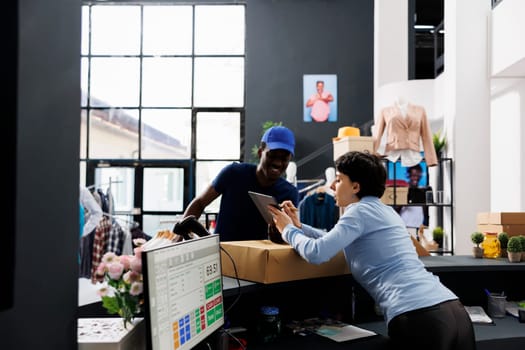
<point>99,246</point>
<point>115,238</point>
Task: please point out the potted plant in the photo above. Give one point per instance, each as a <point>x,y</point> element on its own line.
<point>514,249</point>
<point>439,142</point>
<point>503,238</point>
<point>477,238</point>
<point>522,241</point>
<point>437,235</point>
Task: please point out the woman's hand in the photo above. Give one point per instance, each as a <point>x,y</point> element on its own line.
<point>280,218</point>
<point>292,212</point>
<point>288,214</point>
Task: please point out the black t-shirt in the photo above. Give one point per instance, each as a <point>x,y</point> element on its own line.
<point>238,217</point>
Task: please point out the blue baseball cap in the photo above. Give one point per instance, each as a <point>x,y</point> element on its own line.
<point>279,137</point>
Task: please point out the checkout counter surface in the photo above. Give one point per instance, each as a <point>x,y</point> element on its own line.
<point>465,275</point>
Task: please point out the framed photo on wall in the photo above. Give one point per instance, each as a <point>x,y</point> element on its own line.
<point>320,98</point>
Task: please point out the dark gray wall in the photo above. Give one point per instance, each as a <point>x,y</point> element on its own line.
<point>43,315</point>
<point>289,38</point>
<point>8,71</point>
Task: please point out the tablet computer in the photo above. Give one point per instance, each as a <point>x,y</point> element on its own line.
<point>261,202</point>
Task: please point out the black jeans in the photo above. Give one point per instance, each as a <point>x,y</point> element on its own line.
<point>445,326</point>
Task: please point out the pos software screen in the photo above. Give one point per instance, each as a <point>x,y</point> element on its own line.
<point>183,293</point>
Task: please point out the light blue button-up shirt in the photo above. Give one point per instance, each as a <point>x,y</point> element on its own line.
<point>380,254</point>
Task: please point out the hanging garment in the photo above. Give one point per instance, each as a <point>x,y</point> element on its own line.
<point>104,201</point>
<point>318,209</point>
<point>115,238</point>
<point>127,246</point>
<point>111,202</point>
<point>81,218</point>
<point>92,210</point>
<point>136,232</point>
<point>86,254</point>
<point>405,133</point>
<point>99,245</point>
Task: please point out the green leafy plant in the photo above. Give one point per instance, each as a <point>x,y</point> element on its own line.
<point>503,238</point>
<point>265,126</point>
<point>439,141</point>
<point>521,238</point>
<point>477,238</point>
<point>514,245</point>
<point>437,235</point>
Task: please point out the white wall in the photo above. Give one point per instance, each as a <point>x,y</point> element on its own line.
<point>467,112</point>
<point>390,41</point>
<point>461,100</point>
<point>507,106</point>
<point>508,31</point>
<point>507,149</point>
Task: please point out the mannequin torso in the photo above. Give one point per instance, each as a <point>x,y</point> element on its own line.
<point>406,129</point>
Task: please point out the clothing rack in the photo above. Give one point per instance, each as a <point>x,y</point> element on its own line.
<point>133,224</point>
<point>312,186</point>
<point>105,184</point>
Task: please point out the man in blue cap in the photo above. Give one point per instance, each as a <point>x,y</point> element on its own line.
<point>238,218</point>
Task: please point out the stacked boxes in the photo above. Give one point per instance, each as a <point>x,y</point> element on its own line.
<point>512,223</point>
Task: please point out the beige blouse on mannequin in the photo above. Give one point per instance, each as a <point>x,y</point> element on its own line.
<point>406,128</point>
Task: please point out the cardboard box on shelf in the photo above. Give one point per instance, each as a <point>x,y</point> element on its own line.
<point>482,218</point>
<point>501,218</point>
<point>267,262</point>
<point>400,194</point>
<point>512,230</point>
<point>353,143</point>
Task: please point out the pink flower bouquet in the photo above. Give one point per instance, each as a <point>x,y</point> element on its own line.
<point>121,291</point>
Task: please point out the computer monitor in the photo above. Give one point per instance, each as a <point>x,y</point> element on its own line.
<point>183,293</point>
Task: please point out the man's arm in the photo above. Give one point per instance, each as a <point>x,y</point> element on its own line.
<point>199,203</point>
<point>311,100</point>
<point>328,98</point>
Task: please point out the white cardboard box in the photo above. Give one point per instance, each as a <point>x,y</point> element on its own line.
<point>353,143</point>
<point>110,334</point>
<point>498,218</point>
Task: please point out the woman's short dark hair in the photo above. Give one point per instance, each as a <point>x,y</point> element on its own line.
<point>365,168</point>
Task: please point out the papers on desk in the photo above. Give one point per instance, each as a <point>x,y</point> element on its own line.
<point>332,329</point>
<point>343,333</point>
<point>478,315</point>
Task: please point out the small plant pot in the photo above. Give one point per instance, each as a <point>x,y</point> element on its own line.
<point>514,257</point>
<point>503,253</point>
<point>477,252</point>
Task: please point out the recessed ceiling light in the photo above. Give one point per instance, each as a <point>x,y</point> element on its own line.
<point>423,26</point>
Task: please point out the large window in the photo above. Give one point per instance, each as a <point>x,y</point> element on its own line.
<point>162,87</point>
